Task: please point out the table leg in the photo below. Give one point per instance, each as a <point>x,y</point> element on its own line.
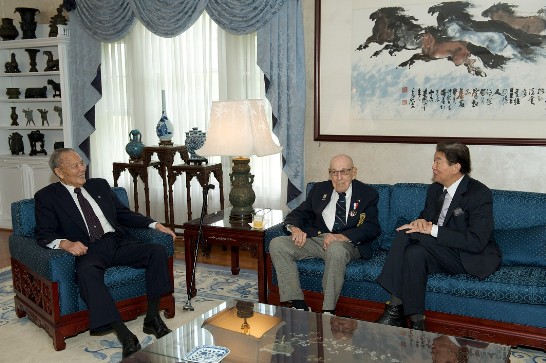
<point>262,277</point>
<point>235,260</point>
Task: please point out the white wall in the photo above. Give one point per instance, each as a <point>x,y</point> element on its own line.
<point>499,167</point>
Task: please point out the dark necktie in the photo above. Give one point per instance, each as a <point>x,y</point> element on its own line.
<point>440,205</point>
<point>93,223</point>
<point>341,207</point>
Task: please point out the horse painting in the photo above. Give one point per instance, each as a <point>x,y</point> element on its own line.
<point>504,12</point>
<point>455,51</point>
<point>393,27</point>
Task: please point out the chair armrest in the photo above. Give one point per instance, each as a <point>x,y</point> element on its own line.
<point>52,265</point>
<point>148,235</point>
<point>272,232</point>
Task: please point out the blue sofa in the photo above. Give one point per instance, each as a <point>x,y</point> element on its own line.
<point>508,307</point>
<point>45,286</point>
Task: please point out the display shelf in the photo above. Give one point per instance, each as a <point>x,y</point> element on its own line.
<point>21,174</point>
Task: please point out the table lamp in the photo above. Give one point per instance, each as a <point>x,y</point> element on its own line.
<point>239,129</point>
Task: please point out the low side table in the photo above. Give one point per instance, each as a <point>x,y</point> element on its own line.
<point>166,155</point>
<point>202,174</point>
<point>136,169</point>
<point>217,229</point>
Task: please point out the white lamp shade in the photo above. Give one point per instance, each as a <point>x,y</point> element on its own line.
<point>238,128</point>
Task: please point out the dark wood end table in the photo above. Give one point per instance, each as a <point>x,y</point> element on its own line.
<point>217,229</point>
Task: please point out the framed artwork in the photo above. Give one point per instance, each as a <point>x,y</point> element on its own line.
<point>420,71</point>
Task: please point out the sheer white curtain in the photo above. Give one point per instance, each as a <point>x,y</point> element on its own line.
<point>201,65</point>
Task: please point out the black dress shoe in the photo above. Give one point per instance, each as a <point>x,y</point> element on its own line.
<point>155,326</point>
<point>130,345</point>
<point>417,325</point>
<point>393,315</point>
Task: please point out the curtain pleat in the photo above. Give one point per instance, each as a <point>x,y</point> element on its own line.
<point>242,16</point>
<point>106,20</point>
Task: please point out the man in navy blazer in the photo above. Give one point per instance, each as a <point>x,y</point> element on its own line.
<point>315,233</point>
<point>61,223</point>
<point>453,235</point>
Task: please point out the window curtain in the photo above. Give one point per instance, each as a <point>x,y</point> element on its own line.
<point>201,65</point>
<point>281,51</point>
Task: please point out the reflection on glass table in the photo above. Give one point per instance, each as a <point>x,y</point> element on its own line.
<point>261,333</point>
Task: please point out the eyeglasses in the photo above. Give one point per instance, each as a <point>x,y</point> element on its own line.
<point>343,172</point>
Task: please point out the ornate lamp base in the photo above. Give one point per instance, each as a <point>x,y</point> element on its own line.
<point>242,195</point>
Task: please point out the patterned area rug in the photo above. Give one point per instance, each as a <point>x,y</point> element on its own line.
<point>214,284</point>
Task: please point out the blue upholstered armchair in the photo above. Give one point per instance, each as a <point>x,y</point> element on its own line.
<point>45,286</point>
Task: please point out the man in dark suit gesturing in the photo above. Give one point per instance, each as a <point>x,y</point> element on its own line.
<point>453,235</point>
<point>336,223</point>
<point>85,218</point>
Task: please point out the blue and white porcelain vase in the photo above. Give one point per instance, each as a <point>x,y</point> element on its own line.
<point>164,128</point>
<point>194,140</point>
<point>135,146</point>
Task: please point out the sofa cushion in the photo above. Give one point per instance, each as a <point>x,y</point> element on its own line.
<point>522,246</point>
<point>514,209</point>
<point>406,202</point>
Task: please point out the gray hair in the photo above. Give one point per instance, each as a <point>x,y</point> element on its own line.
<point>56,156</point>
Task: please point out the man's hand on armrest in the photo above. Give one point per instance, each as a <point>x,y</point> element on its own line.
<point>74,248</point>
<point>162,228</point>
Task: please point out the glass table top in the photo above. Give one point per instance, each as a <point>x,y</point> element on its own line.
<point>260,333</point>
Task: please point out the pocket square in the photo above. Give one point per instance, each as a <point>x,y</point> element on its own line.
<point>458,212</point>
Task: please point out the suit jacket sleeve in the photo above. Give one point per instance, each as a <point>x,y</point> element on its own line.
<point>469,221</point>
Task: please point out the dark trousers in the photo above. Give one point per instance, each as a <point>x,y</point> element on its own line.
<point>411,258</point>
<point>112,250</point>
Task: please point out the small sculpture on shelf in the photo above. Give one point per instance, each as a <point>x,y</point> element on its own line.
<point>29,116</point>
<point>36,137</point>
<point>55,20</point>
<point>32,56</point>
<point>12,66</point>
<point>56,88</point>
<point>59,111</point>
<point>33,92</point>
<point>58,145</point>
<point>43,115</point>
<point>14,117</point>
<point>8,31</point>
<point>15,142</point>
<point>51,64</point>
<point>13,93</point>
<point>28,22</point>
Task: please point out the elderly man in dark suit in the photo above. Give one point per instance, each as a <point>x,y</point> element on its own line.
<point>453,235</point>
<point>336,223</point>
<point>84,218</point>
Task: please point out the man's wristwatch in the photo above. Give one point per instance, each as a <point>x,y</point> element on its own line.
<point>288,228</point>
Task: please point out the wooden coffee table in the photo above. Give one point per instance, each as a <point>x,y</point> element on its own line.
<point>217,229</point>
<point>278,334</point>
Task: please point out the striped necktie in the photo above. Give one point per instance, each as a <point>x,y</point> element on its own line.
<point>93,223</point>
<point>341,207</point>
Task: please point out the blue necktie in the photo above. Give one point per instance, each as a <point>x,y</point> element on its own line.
<point>93,223</point>
<point>341,207</point>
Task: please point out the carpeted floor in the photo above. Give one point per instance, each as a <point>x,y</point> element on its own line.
<point>21,341</point>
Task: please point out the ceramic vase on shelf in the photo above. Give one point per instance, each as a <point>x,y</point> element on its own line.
<point>164,128</point>
<point>8,31</point>
<point>194,140</point>
<point>135,146</point>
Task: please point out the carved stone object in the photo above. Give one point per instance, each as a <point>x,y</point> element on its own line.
<point>28,115</point>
